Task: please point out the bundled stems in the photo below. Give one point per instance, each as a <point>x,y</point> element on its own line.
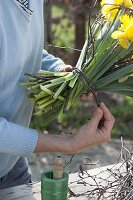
<point>104,65</point>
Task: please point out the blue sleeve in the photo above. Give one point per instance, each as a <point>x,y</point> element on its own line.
<point>16,139</point>
<point>51,63</point>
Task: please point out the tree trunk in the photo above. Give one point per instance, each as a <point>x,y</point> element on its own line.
<point>47,21</point>
<point>79,37</point>
<point>78,11</point>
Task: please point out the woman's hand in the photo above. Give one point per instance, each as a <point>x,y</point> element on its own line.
<point>66,68</point>
<point>86,96</point>
<point>96,131</point>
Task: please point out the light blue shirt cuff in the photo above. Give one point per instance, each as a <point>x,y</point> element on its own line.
<point>51,63</point>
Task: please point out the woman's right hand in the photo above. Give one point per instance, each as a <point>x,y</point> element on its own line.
<point>96,131</point>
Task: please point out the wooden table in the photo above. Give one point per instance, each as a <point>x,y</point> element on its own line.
<point>32,192</point>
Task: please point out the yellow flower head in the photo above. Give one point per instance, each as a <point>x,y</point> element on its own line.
<point>122,39</point>
<point>110,7</point>
<point>102,2</point>
<point>127,26</point>
<point>126,20</point>
<point>118,2</point>
<point>126,3</point>
<point>125,32</point>
<point>129,32</point>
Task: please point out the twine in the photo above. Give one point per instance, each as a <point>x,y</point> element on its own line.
<point>89,84</point>
<point>54,189</point>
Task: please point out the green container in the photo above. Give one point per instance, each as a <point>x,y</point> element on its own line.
<point>54,189</point>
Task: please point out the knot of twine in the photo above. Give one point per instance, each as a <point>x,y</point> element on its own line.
<point>89,84</point>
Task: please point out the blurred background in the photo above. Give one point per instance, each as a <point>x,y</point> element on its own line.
<point>65,24</point>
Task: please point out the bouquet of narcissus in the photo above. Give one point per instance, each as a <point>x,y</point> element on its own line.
<point>105,64</point>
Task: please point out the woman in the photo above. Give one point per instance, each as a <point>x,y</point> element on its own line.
<point>21,51</point>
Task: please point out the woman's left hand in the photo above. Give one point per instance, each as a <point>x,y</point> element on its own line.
<point>66,68</point>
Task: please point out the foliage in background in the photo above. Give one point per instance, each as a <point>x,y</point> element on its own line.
<point>63,31</point>
<point>123,113</point>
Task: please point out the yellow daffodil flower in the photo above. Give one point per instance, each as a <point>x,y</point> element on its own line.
<point>122,39</point>
<point>110,7</point>
<point>109,12</point>
<point>124,43</point>
<point>125,32</point>
<point>119,2</point>
<point>129,32</point>
<point>127,26</point>
<point>125,20</point>
<point>126,3</point>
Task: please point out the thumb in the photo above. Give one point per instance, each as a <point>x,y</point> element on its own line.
<point>97,116</point>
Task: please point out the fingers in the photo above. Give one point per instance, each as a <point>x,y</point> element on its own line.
<point>97,116</point>
<point>66,68</point>
<point>109,120</point>
<point>86,96</point>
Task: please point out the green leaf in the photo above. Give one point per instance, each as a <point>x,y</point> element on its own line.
<point>123,79</point>
<point>114,76</point>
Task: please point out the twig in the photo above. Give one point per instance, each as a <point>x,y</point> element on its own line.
<point>121,187</point>
<point>61,47</point>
